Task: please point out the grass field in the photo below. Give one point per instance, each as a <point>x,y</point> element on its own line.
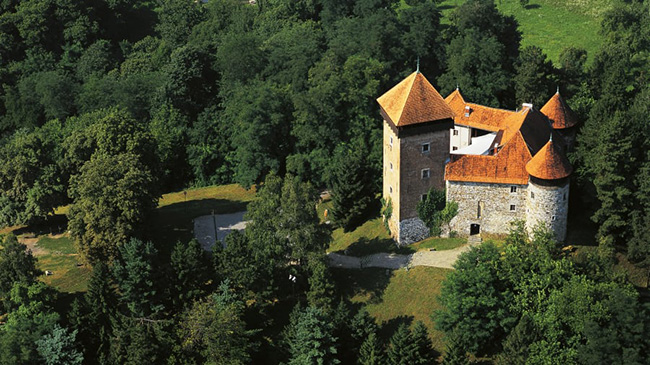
<point>395,297</point>
<point>59,256</point>
<point>552,24</point>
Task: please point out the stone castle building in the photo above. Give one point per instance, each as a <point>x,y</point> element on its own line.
<point>498,165</point>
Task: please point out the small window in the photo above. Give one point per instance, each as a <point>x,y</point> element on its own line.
<point>391,140</point>
<point>513,189</point>
<point>455,132</point>
<point>425,147</point>
<point>390,189</point>
<point>564,197</point>
<point>553,218</point>
<point>423,197</point>
<point>454,148</point>
<point>532,195</point>
<point>513,207</point>
<point>479,210</point>
<point>426,173</point>
<point>391,166</point>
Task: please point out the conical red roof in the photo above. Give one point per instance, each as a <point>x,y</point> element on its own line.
<point>557,110</point>
<point>549,163</point>
<point>414,100</point>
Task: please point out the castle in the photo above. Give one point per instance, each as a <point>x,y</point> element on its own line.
<point>498,165</point>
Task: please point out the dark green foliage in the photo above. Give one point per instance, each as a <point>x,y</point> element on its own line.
<point>371,351</point>
<point>232,261</point>
<point>402,349</point>
<point>429,210</point>
<point>473,297</point>
<point>284,226</point>
<point>515,347</point>
<point>136,277</point>
<point>176,19</point>
<point>95,324</point>
<point>214,329</point>
<point>190,264</point>
<point>455,353</point>
<point>58,347</point>
<point>112,195</point>
<point>31,318</point>
<point>351,186</point>
<point>535,77</point>
<point>309,338</point>
<point>422,342</point>
<point>17,265</point>
<point>30,180</point>
<point>321,287</point>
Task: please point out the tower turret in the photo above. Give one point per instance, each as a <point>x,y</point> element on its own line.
<point>548,189</point>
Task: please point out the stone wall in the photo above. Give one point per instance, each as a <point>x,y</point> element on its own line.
<point>548,205</point>
<point>413,161</point>
<point>494,201</point>
<point>412,230</point>
<point>391,182</point>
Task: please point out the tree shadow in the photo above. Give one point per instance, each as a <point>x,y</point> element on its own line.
<point>532,6</point>
<point>368,285</point>
<point>365,246</point>
<point>54,224</point>
<point>175,222</point>
<point>389,327</point>
<point>371,212</point>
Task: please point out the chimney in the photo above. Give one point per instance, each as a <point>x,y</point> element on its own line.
<point>527,105</point>
<point>467,111</point>
<point>496,147</point>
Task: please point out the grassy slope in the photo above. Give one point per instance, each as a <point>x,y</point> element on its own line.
<point>59,255</point>
<point>552,24</point>
<point>395,297</point>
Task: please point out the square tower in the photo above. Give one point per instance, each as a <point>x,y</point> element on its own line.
<point>417,124</point>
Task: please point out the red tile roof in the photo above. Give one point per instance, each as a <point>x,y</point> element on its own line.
<point>481,117</point>
<point>414,100</point>
<point>557,110</point>
<point>549,163</point>
<point>508,166</point>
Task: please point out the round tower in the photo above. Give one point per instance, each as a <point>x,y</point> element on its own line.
<point>548,190</point>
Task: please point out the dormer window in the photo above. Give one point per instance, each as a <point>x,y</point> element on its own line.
<point>468,110</point>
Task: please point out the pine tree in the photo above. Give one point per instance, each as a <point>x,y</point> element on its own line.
<point>96,327</point>
<point>422,342</point>
<point>321,287</point>
<point>189,263</point>
<point>371,352</point>
<point>135,275</point>
<point>351,185</point>
<point>402,349</point>
<point>58,347</point>
<point>309,338</point>
<point>455,354</point>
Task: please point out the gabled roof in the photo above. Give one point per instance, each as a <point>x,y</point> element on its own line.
<point>557,110</point>
<point>481,117</point>
<point>414,100</point>
<point>549,163</point>
<point>508,166</point>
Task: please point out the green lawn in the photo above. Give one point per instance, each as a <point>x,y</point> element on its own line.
<point>59,256</point>
<point>372,237</point>
<point>395,297</point>
<point>552,24</point>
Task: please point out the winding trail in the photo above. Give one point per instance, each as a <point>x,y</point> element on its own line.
<point>442,259</point>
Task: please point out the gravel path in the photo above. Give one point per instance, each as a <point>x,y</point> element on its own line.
<point>204,227</point>
<point>443,259</point>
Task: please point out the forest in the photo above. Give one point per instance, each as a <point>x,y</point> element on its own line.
<point>107,104</point>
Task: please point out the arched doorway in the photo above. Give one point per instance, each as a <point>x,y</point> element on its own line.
<point>474,229</point>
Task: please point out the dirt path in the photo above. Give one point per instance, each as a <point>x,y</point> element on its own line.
<point>443,259</point>
<point>204,227</point>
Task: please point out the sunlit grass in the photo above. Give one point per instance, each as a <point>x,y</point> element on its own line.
<point>395,297</point>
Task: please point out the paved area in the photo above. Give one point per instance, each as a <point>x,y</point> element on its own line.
<point>206,226</point>
<point>443,259</point>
